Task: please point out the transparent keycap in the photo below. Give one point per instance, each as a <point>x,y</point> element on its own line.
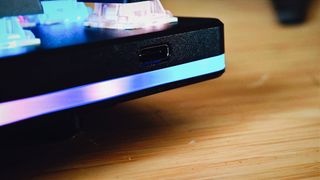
<point>12,34</point>
<point>63,11</point>
<point>129,15</point>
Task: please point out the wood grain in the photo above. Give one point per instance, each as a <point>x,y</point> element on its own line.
<point>261,120</point>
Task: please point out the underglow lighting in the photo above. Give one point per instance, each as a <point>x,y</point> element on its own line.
<point>22,109</point>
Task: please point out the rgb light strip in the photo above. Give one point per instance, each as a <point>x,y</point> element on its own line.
<point>17,110</point>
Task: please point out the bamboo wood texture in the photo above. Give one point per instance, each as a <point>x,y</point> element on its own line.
<point>261,120</point>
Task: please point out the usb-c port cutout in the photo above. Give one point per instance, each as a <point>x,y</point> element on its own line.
<point>154,54</point>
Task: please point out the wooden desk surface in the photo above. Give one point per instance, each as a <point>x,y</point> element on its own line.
<point>260,120</point>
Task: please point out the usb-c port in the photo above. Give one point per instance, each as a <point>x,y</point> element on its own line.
<point>154,54</point>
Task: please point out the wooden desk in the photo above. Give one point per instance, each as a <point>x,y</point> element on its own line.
<point>261,120</point>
